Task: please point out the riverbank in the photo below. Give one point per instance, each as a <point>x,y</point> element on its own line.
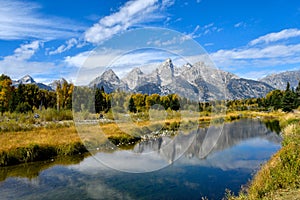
<point>279,177</point>
<point>61,138</point>
<point>39,144</point>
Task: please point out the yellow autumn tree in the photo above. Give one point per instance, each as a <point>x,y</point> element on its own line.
<point>5,92</point>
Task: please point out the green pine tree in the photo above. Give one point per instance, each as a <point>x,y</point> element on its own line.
<point>288,99</point>
<point>297,96</point>
<point>131,106</point>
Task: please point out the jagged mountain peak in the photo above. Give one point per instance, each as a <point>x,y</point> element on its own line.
<point>168,63</point>
<point>60,81</point>
<point>136,70</point>
<point>165,72</point>
<point>133,78</point>
<point>110,81</point>
<point>109,75</point>
<point>27,79</point>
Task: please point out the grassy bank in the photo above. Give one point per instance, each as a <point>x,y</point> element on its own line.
<point>279,178</point>
<point>39,144</point>
<point>61,138</point>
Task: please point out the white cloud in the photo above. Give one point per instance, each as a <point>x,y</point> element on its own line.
<point>261,57</point>
<point>208,44</point>
<point>19,64</point>
<point>273,37</point>
<point>167,3</point>
<point>274,51</point>
<point>256,61</point>
<point>240,24</point>
<point>206,29</point>
<point>256,74</point>
<point>132,13</point>
<point>25,51</point>
<point>21,20</point>
<point>172,42</point>
<point>65,47</point>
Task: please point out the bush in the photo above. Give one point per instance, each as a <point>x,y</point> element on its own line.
<point>23,108</point>
<point>52,114</point>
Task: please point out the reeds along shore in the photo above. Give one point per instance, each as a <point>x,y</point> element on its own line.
<point>279,177</point>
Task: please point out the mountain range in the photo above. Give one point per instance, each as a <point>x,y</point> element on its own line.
<point>194,81</point>
<point>29,80</point>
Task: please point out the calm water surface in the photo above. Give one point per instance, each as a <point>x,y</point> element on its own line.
<point>230,163</point>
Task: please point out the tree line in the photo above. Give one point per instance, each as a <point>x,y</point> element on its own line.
<point>26,98</point>
<point>286,100</point>
<point>97,100</point>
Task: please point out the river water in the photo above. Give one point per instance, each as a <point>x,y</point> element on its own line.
<point>204,170</point>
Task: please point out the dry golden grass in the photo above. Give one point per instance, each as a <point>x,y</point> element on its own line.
<point>43,136</point>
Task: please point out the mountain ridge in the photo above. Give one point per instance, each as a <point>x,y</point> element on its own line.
<point>195,81</point>
<point>280,80</point>
<point>27,79</point>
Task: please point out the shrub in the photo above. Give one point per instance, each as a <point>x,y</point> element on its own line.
<point>23,107</point>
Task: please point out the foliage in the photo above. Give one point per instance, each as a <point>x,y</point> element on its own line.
<point>5,92</point>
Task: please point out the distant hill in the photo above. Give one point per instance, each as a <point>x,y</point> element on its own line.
<point>280,80</point>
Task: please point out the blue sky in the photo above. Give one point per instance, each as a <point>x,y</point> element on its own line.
<point>52,39</point>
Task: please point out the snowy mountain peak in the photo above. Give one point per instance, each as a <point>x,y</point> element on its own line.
<point>168,64</point>
<point>166,72</point>
<point>187,65</point>
<point>136,70</point>
<point>133,78</point>
<point>26,80</point>
<point>110,75</point>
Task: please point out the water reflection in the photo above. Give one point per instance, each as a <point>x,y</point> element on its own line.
<point>203,170</point>
<point>156,153</point>
<point>33,169</point>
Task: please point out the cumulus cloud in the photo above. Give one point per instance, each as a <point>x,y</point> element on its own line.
<point>132,13</point>
<point>22,20</point>
<point>273,37</point>
<point>25,51</point>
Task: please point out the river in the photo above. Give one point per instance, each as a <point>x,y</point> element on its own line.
<point>205,169</point>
